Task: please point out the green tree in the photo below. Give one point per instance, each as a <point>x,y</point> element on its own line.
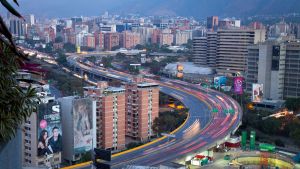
<point>169,121</point>
<point>189,44</point>
<point>85,157</point>
<point>62,59</point>
<point>69,47</point>
<point>165,49</point>
<point>139,47</point>
<point>49,48</point>
<point>16,104</point>
<point>115,48</point>
<point>133,145</point>
<point>120,56</point>
<point>133,70</point>
<point>295,135</point>
<point>58,39</point>
<point>106,61</point>
<point>92,59</point>
<point>163,99</point>
<point>293,104</point>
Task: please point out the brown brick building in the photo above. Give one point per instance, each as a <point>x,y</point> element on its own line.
<point>142,108</point>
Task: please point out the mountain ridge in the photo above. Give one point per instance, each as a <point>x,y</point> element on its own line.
<point>195,8</point>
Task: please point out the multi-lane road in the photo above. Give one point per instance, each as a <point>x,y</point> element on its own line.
<point>203,128</point>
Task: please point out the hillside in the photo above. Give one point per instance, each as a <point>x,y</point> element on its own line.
<point>196,8</point>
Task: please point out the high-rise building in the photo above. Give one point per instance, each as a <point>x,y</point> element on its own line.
<point>275,64</point>
<point>78,126</point>
<point>71,38</point>
<point>30,20</point>
<point>129,39</point>
<point>79,38</point>
<point>155,36</point>
<point>263,68</point>
<point>68,23</point>
<point>110,115</point>
<point>16,27</point>
<point>145,34</point>
<point>200,51</point>
<point>111,40</point>
<point>165,39</point>
<point>256,25</point>
<point>229,23</point>
<point>108,28</point>
<point>42,136</point>
<point>142,108</point>
<point>99,39</point>
<point>212,23</point>
<point>182,37</point>
<point>289,69</point>
<point>76,21</point>
<point>205,50</point>
<point>11,153</point>
<point>50,34</point>
<point>161,23</point>
<point>232,49</point>
<point>81,28</point>
<point>89,41</point>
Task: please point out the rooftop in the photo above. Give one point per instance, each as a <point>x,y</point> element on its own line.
<point>114,89</point>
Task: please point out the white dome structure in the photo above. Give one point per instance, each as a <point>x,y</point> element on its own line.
<point>188,68</point>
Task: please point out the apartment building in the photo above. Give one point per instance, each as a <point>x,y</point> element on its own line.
<point>129,40</point>
<point>142,107</point>
<point>111,40</point>
<point>110,115</point>
<point>41,125</point>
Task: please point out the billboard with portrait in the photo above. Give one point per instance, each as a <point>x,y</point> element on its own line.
<point>238,85</point>
<point>83,128</point>
<point>257,92</point>
<point>220,81</point>
<point>49,129</point>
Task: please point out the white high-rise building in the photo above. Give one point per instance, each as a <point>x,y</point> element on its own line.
<point>275,64</point>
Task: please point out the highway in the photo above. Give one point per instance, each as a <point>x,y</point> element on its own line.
<point>203,128</point>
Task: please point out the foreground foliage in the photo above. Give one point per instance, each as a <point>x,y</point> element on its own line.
<point>16,104</point>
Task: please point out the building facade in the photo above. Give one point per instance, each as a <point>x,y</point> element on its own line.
<point>142,108</point>
<point>110,115</point>
<point>35,152</point>
<point>78,126</point>
<point>111,40</point>
<point>274,64</point>
<point>232,49</point>
<point>212,23</point>
<point>129,40</point>
<point>205,50</point>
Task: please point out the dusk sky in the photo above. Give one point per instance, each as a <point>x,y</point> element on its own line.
<point>196,8</point>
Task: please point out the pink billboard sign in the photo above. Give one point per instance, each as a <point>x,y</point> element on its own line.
<point>238,85</point>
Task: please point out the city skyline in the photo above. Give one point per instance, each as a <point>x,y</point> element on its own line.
<point>150,84</point>
<point>195,8</point>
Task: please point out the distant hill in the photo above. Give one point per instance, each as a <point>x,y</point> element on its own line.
<point>203,8</point>
<point>196,8</point>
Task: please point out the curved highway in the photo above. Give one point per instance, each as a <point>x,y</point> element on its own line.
<point>203,128</point>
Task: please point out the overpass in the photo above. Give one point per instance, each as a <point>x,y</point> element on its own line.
<point>202,129</point>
